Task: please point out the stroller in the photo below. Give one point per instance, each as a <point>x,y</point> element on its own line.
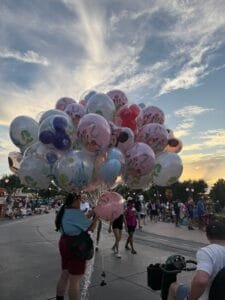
<point>160,276</point>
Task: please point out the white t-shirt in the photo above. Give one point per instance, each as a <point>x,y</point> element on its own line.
<point>84,206</point>
<point>211,259</point>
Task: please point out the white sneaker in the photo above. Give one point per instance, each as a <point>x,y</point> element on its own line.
<point>118,255</point>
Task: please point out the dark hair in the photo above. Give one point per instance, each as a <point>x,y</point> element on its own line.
<point>130,202</point>
<point>70,198</point>
<point>216,231</point>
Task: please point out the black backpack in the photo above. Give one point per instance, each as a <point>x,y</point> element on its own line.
<point>217,290</point>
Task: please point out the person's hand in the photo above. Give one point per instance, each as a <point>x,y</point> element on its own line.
<point>110,229</point>
<point>95,217</point>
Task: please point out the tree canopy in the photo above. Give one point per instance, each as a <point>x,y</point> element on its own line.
<point>218,192</point>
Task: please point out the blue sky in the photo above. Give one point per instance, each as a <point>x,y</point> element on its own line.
<point>167,53</point>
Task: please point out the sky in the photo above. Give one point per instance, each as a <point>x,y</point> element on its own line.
<point>170,54</point>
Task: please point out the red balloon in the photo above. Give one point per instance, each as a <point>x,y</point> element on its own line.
<point>128,116</point>
<point>135,109</point>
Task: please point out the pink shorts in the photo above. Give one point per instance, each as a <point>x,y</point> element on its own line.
<point>69,261</point>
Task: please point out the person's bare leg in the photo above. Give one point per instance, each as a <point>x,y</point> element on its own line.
<point>132,244</point>
<point>74,287</point>
<point>117,235</point>
<point>62,283</point>
<point>128,242</point>
<point>172,291</point>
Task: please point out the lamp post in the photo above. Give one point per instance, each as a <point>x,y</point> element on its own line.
<point>190,191</point>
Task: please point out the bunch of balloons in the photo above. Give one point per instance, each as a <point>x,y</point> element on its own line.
<point>99,142</point>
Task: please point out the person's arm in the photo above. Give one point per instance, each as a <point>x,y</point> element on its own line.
<point>93,224</point>
<point>198,285</point>
<point>110,227</point>
<point>125,222</point>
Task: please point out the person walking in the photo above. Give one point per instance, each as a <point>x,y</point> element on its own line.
<point>190,213</point>
<point>71,221</point>
<point>154,211</point>
<point>131,223</point>
<point>176,208</point>
<point>200,212</point>
<point>138,207</point>
<point>117,227</point>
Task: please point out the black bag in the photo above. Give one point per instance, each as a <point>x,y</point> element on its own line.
<point>217,289</point>
<point>154,277</point>
<point>82,246</point>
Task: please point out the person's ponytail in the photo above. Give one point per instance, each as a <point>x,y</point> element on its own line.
<point>58,219</point>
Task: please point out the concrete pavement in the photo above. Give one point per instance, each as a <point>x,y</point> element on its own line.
<point>30,264</point>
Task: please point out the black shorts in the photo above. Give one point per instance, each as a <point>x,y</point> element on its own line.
<point>131,229</point>
<point>118,223</point>
<point>154,212</point>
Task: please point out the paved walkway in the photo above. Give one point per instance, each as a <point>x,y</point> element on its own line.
<point>35,274</point>
<point>170,230</point>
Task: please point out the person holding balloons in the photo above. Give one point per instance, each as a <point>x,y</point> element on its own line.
<point>131,223</point>
<point>70,221</point>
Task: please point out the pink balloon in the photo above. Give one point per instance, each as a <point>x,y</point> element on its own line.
<point>76,112</point>
<point>110,206</point>
<point>140,159</point>
<point>118,97</point>
<point>154,135</point>
<point>94,132</point>
<point>62,103</point>
<point>153,114</point>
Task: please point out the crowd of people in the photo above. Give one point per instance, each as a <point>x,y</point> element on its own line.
<point>180,213</point>
<point>22,207</point>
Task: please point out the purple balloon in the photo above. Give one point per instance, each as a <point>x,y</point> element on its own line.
<point>62,141</point>
<point>46,137</point>
<point>59,123</point>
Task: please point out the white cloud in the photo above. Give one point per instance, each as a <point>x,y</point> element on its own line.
<point>188,115</point>
<point>192,147</point>
<point>207,166</point>
<point>191,110</point>
<point>27,57</point>
<point>213,138</point>
<point>187,78</point>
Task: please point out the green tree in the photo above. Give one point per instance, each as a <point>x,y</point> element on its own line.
<point>218,192</point>
<point>10,183</point>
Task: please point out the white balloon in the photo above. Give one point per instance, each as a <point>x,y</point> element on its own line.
<point>73,172</point>
<point>141,182</point>
<point>23,132</point>
<point>103,105</point>
<point>167,169</point>
<point>35,172</point>
<point>50,113</point>
<point>47,152</point>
